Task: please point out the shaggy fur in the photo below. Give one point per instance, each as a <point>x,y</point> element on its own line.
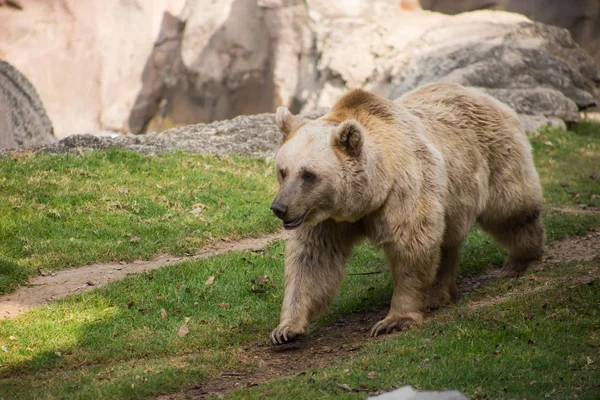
<point>411,176</point>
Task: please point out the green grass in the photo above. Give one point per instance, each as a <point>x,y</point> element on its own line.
<point>113,342</point>
<point>569,164</point>
<point>60,211</point>
<point>97,344</point>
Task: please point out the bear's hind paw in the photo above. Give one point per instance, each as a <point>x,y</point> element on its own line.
<point>390,324</point>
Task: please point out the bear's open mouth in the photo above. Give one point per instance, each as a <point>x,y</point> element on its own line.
<point>295,223</point>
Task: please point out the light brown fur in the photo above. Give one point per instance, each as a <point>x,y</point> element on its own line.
<point>411,176</point>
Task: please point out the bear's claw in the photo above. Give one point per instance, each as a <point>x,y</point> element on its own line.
<point>388,325</point>
<point>281,335</point>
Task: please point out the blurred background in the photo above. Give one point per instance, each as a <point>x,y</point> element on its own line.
<point>120,66</point>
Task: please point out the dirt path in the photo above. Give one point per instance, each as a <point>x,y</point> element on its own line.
<point>43,289</point>
<point>350,333</point>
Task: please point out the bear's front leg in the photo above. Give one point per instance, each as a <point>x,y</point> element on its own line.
<point>412,277</point>
<point>314,270</point>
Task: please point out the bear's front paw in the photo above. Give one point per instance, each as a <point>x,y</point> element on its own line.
<point>283,334</point>
<point>389,324</point>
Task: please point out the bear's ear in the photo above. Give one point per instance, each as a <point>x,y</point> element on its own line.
<point>285,121</point>
<point>349,137</point>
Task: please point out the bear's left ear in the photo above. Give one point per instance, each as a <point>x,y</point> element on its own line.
<point>285,121</point>
<point>349,137</point>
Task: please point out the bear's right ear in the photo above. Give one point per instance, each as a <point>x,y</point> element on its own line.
<point>349,137</point>
<point>285,121</point>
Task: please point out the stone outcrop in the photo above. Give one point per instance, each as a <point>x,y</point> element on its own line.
<point>535,68</point>
<point>305,54</point>
<point>23,119</point>
<point>580,17</point>
<point>249,136</point>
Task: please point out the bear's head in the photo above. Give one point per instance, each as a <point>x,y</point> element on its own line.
<point>320,170</point>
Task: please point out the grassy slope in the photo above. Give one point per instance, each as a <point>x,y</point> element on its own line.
<point>113,342</point>
<point>65,211</point>
<point>541,342</point>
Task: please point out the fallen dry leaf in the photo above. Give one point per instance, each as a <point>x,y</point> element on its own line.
<point>224,305</point>
<point>134,239</point>
<point>476,361</point>
<point>210,280</point>
<point>261,280</point>
<point>373,374</point>
<point>344,386</point>
<point>196,211</point>
<point>163,313</point>
<point>183,330</point>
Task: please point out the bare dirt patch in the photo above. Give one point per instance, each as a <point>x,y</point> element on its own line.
<point>43,289</point>
<point>582,248</point>
<point>319,349</point>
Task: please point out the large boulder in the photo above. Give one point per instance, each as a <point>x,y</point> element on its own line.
<point>580,17</point>
<point>535,68</point>
<point>305,54</point>
<point>23,119</point>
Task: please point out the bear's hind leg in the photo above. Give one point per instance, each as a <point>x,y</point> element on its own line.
<point>444,291</point>
<point>522,235</point>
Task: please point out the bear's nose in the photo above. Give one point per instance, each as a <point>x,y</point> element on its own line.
<point>279,209</point>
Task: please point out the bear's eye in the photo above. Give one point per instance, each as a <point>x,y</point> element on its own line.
<point>308,176</point>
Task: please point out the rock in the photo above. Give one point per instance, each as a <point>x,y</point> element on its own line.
<point>160,74</point>
<point>580,17</point>
<point>237,57</point>
<point>408,393</point>
<point>521,56</point>
<point>92,54</point>
<point>249,136</point>
<point>305,54</point>
<point>23,119</point>
<point>535,68</point>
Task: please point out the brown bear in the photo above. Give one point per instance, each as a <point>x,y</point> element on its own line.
<point>412,176</point>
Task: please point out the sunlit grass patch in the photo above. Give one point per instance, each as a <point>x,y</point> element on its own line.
<point>59,211</point>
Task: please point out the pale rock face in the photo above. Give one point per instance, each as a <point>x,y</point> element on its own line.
<point>84,58</point>
<point>246,56</point>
